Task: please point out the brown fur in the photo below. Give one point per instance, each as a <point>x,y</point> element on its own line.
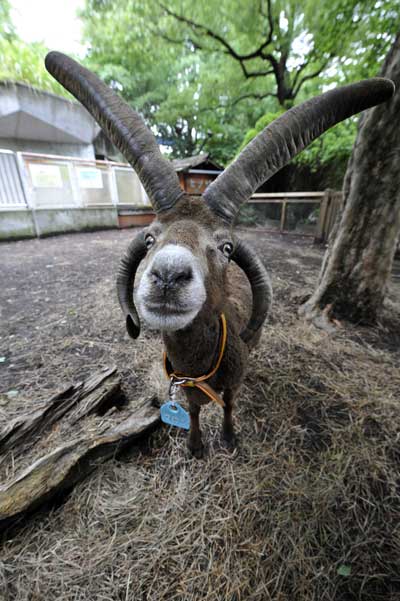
<point>193,351</point>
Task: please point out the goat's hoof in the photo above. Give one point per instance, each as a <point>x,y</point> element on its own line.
<point>230,440</point>
<point>197,450</point>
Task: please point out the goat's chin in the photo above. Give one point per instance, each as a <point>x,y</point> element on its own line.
<point>169,321</point>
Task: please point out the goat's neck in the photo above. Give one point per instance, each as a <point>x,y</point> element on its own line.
<point>193,350</point>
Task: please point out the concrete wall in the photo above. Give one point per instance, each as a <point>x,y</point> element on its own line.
<point>20,224</point>
<point>83,151</point>
<point>52,221</point>
<point>16,224</point>
<point>30,114</point>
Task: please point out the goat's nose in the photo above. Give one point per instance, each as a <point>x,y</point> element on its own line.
<point>165,277</point>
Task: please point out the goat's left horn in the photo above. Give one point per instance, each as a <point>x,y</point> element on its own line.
<point>123,126</point>
<point>125,282</point>
<point>285,137</point>
<point>260,284</point>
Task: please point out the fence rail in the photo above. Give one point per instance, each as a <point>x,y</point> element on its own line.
<point>55,182</point>
<point>316,212</point>
<point>39,182</point>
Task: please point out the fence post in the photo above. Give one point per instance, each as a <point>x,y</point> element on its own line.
<point>27,192</point>
<point>75,187</point>
<point>113,186</point>
<point>283,216</point>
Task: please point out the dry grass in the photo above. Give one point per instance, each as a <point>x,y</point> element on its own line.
<point>308,508</point>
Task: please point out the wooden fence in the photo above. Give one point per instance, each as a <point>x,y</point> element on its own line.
<point>328,204</point>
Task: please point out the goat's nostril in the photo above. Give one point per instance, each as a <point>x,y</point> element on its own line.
<point>156,274</point>
<point>183,276</point>
<point>168,278</point>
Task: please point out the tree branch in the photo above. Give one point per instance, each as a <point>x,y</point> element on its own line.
<point>215,36</point>
<point>252,95</point>
<point>308,77</point>
<point>249,74</point>
<point>299,71</point>
<point>270,21</point>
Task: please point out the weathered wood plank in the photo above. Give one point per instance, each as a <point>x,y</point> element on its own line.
<point>94,394</point>
<point>58,471</point>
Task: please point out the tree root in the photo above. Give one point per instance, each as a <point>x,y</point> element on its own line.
<point>319,317</point>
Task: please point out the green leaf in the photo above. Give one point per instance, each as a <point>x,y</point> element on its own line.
<point>344,570</point>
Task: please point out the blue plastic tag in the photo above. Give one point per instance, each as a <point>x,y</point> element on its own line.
<point>175,415</point>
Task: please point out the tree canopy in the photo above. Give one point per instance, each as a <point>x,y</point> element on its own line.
<point>204,73</point>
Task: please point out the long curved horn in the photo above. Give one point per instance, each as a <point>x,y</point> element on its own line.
<point>285,137</point>
<point>125,128</point>
<point>135,252</point>
<point>261,289</point>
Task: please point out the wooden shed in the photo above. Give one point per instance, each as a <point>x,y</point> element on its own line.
<point>195,174</point>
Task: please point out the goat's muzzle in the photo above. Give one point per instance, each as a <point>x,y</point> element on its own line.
<point>171,290</point>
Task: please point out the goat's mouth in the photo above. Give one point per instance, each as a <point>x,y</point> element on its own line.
<point>167,308</point>
<point>167,316</point>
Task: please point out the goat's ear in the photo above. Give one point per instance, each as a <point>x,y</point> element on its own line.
<point>285,137</point>
<point>260,284</point>
<point>125,282</point>
<point>132,326</point>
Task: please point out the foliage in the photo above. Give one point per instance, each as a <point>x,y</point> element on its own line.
<point>331,150</point>
<point>259,126</point>
<point>203,73</point>
<point>6,26</point>
<point>21,61</point>
<point>334,145</point>
<point>25,63</point>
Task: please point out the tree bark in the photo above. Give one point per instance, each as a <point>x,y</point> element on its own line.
<point>59,444</point>
<point>97,394</point>
<point>356,268</point>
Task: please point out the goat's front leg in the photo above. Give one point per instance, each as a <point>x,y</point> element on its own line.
<point>195,444</point>
<point>228,431</point>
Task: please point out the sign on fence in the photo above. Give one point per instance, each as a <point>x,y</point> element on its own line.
<point>89,177</point>
<point>45,176</point>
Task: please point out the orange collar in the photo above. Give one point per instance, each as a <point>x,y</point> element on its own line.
<point>186,381</point>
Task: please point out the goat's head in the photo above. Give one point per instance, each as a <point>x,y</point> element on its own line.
<point>185,253</point>
<point>187,249</point>
<point>185,266</point>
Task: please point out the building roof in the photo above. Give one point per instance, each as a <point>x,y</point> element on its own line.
<point>200,162</point>
<point>27,113</point>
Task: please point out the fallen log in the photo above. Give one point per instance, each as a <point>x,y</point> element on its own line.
<point>50,474</point>
<point>95,394</point>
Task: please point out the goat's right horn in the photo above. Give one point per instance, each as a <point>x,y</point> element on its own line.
<point>123,126</point>
<point>285,137</point>
<point>128,266</point>
<point>260,284</point>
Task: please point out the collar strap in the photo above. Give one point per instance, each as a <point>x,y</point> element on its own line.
<point>200,382</point>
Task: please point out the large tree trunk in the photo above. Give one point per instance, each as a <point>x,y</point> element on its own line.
<point>356,268</point>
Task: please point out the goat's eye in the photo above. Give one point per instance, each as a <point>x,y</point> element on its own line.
<point>227,249</point>
<point>149,241</point>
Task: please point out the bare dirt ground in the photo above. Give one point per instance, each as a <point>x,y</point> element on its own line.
<point>307,508</point>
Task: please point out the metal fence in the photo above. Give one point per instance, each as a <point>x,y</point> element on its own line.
<point>12,195</point>
<point>293,213</point>
<point>55,182</point>
<point>38,182</point>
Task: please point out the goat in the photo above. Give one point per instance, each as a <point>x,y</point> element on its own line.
<point>195,267</point>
